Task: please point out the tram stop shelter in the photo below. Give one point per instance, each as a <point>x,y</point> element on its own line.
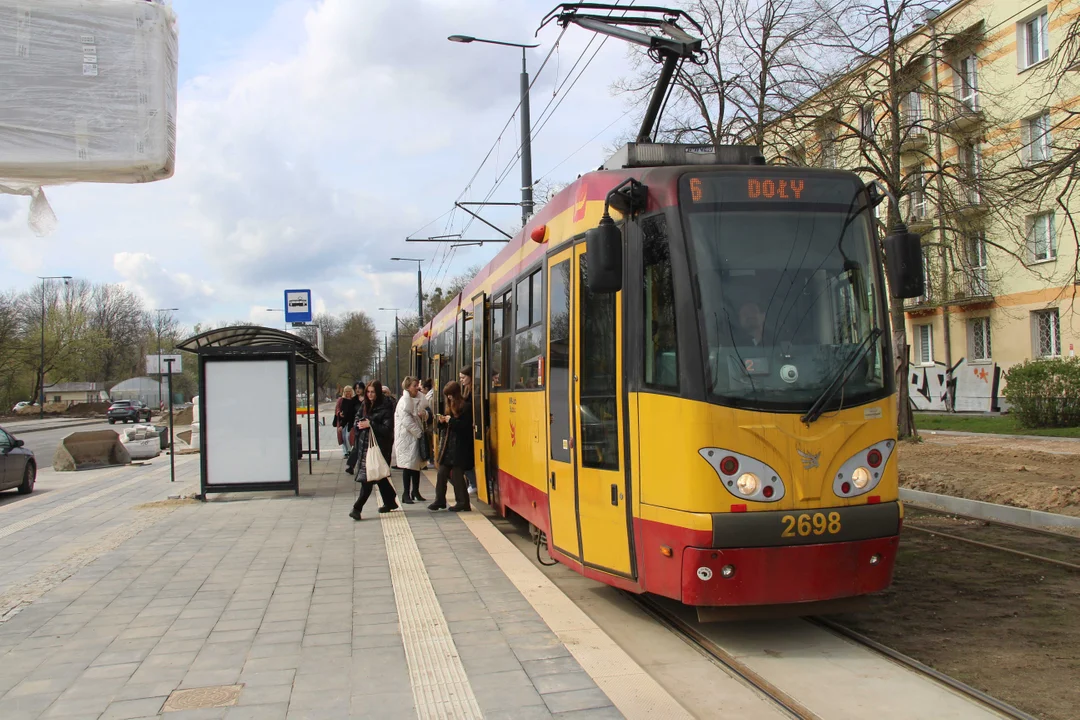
<point>250,439</point>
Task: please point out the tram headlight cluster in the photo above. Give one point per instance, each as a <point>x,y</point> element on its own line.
<point>744,477</point>
<point>862,472</point>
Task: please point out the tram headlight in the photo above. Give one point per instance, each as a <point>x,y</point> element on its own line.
<point>860,478</point>
<point>748,483</point>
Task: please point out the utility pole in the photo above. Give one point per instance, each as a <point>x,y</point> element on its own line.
<point>397,348</point>
<point>526,124</point>
<point>41,375</point>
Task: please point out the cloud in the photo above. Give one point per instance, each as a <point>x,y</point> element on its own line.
<point>143,274</point>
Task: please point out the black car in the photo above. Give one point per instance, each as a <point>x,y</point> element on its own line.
<point>18,468</point>
<point>128,411</point>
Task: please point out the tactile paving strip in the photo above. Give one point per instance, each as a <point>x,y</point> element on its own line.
<point>440,686</point>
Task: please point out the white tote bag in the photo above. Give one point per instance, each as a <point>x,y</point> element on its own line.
<point>375,464</point>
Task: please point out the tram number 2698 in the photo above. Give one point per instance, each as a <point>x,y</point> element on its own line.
<point>808,524</point>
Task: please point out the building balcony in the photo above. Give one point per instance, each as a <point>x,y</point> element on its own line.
<point>973,288</point>
<point>917,141</point>
<point>923,302</point>
<point>962,114</point>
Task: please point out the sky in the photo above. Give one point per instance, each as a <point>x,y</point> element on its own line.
<point>313,137</point>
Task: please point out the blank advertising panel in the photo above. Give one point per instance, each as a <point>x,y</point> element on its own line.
<point>248,422</point>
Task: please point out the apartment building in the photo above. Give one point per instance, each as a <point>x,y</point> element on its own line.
<point>981,99</point>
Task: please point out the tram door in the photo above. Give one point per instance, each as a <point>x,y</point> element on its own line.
<point>486,487</point>
<point>562,474</point>
<point>598,411</point>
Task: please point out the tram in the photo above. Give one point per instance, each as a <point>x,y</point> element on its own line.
<point>683,377</point>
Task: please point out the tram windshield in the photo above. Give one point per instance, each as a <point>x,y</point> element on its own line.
<point>789,288</point>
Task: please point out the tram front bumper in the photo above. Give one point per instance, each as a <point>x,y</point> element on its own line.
<point>768,558</point>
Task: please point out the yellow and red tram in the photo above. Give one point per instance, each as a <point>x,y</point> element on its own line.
<point>698,402</point>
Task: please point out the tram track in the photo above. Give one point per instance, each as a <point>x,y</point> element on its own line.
<point>912,524</point>
<point>691,634</point>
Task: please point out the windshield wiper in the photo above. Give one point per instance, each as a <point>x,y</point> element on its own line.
<point>842,376</point>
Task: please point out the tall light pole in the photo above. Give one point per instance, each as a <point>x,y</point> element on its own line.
<point>397,348</point>
<point>526,124</point>
<point>41,377</point>
<point>159,311</point>
<point>419,289</point>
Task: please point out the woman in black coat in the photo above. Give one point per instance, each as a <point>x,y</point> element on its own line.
<point>376,416</point>
<point>456,456</point>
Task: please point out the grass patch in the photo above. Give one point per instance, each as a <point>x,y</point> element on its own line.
<point>1001,425</point>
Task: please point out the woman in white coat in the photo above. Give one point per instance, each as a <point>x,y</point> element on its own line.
<point>408,429</point>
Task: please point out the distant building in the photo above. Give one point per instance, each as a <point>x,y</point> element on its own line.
<point>146,389</point>
<point>72,393</point>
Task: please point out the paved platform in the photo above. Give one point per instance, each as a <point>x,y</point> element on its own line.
<point>276,606</point>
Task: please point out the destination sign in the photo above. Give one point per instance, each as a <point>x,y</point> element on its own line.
<point>779,188</point>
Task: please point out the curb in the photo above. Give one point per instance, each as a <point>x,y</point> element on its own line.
<point>1036,519</point>
<point>18,432</point>
<point>999,435</point>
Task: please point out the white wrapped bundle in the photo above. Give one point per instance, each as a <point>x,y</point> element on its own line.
<point>88,92</point>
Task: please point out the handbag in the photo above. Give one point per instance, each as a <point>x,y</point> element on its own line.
<point>340,436</point>
<point>377,469</point>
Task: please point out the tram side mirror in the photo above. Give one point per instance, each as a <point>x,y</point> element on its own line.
<point>904,263</point>
<point>603,248</point>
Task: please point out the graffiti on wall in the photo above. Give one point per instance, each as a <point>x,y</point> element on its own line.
<point>975,388</point>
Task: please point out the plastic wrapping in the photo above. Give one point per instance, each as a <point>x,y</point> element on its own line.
<point>88,92</point>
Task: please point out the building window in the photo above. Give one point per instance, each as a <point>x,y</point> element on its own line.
<point>925,336</point>
<point>1041,237</point>
<point>1036,138</point>
<point>1033,41</point>
<point>979,337</point>
<point>529,340</point>
<point>661,350</point>
<point>828,146</point>
<point>911,108</point>
<point>1047,333</point>
<point>918,195</point>
<point>866,121</point>
<point>967,82</point>
<point>975,252</point>
<point>970,168</point>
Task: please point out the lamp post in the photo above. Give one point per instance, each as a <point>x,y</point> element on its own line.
<point>419,288</point>
<point>280,311</point>
<point>41,376</point>
<point>526,129</point>
<point>397,348</point>
<point>159,311</point>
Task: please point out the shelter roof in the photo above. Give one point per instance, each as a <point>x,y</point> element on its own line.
<point>254,337</point>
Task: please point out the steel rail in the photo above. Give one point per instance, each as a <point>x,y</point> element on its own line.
<point>991,521</point>
<point>703,644</point>
<point>963,688</point>
<point>1021,553</point>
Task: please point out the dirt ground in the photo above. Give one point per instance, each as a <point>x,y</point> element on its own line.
<point>1035,474</point>
<point>1006,625</point>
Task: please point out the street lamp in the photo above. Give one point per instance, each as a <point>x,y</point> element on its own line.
<point>397,347</point>
<point>419,288</point>
<point>526,129</point>
<point>282,314</point>
<point>41,384</point>
<point>159,311</point>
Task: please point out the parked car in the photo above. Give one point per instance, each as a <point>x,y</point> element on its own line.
<point>19,406</point>
<point>18,468</point>
<point>128,411</point>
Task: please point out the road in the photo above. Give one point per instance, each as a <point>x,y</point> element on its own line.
<point>45,442</point>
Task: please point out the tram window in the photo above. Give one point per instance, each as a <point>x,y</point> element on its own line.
<point>501,331</point>
<point>529,341</point>
<point>467,341</point>
<point>599,377</point>
<point>558,372</point>
<point>661,350</point>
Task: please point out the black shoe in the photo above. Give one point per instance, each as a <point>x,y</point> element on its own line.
<point>418,497</point>
<point>461,508</point>
<point>436,506</point>
<point>387,508</point>
<point>354,515</point>
<point>407,500</point>
<point>348,470</point>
